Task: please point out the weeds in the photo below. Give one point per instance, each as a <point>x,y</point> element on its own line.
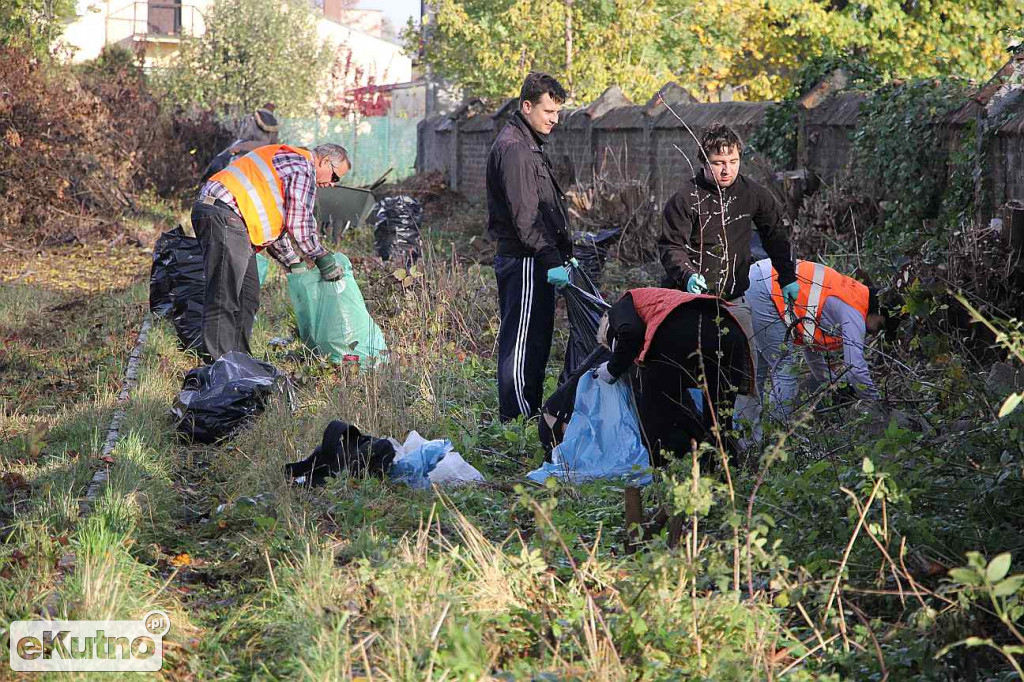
<point>827,561</point>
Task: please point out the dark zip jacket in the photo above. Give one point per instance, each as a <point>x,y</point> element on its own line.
<point>693,239</point>
<point>526,213</point>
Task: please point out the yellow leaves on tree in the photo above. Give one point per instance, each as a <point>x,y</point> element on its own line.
<point>758,48</point>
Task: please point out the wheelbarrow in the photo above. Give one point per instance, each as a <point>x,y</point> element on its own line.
<point>339,208</point>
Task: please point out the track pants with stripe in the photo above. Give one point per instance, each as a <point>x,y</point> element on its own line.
<point>527,307</point>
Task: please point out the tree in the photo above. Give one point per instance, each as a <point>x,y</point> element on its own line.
<point>768,43</point>
<point>487,46</point>
<point>33,24</point>
<point>253,51</point>
<point>757,47</point>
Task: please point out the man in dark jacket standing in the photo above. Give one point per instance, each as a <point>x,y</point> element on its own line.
<point>705,247</point>
<point>528,220</point>
<point>709,222</point>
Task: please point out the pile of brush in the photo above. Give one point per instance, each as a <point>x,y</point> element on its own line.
<point>606,203</point>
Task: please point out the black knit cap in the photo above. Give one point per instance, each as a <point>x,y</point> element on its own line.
<point>265,120</point>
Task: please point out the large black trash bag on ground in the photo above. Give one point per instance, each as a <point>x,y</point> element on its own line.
<point>396,229</point>
<point>218,163</point>
<point>176,284</point>
<point>585,307</point>
<point>216,400</point>
<point>343,447</point>
<point>591,250</point>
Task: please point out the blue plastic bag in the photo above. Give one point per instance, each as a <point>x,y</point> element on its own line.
<point>698,399</point>
<point>602,439</point>
<point>413,468</point>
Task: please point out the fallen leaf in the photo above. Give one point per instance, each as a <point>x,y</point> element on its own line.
<point>181,560</point>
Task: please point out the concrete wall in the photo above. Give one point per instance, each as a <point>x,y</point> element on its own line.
<point>631,142</point>
<point>651,144</point>
<point>1007,173</point>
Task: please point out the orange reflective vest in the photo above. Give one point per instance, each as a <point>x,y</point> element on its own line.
<point>254,183</point>
<point>817,283</point>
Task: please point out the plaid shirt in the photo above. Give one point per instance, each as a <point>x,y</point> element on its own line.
<point>299,180</point>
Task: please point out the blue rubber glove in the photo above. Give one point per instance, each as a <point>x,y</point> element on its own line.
<point>559,277</point>
<point>297,267</point>
<point>696,284</point>
<point>790,292</point>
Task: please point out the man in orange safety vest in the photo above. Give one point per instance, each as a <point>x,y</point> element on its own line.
<point>262,200</point>
<point>832,312</point>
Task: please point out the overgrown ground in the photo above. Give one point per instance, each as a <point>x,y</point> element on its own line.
<point>827,558</point>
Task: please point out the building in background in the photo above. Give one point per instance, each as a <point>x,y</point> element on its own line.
<point>372,100</point>
<point>154,29</point>
<point>362,57</point>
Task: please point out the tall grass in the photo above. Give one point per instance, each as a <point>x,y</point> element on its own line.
<point>366,579</point>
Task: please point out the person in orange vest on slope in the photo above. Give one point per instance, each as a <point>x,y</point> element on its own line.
<point>262,200</point>
<point>832,312</point>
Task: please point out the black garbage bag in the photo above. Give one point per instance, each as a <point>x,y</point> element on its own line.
<point>176,284</point>
<point>343,447</point>
<point>585,307</point>
<point>591,250</point>
<point>216,400</point>
<point>396,229</point>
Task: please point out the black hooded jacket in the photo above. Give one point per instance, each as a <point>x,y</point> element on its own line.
<point>526,212</point>
<point>694,240</point>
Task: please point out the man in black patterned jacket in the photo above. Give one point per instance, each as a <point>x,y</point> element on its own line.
<point>705,241</point>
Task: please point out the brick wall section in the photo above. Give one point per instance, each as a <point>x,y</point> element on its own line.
<point>1008,176</point>
<point>642,143</point>
<point>1007,179</point>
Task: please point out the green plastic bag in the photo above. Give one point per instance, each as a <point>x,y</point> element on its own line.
<point>332,316</point>
<point>262,267</point>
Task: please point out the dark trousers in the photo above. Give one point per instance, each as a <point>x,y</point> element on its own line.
<point>232,280</point>
<point>691,348</point>
<point>527,306</point>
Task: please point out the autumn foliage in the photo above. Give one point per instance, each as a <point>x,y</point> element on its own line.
<point>79,148</point>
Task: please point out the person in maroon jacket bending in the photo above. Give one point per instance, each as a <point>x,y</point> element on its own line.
<point>677,341</point>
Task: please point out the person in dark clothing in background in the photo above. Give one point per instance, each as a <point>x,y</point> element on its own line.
<point>705,243</point>
<point>257,129</point>
<point>528,221</point>
<point>678,341</point>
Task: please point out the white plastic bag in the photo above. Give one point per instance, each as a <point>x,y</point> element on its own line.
<point>421,462</point>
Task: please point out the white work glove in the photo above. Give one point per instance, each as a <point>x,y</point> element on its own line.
<point>601,372</point>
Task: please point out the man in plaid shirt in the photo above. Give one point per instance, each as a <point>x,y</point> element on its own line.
<point>261,200</point>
